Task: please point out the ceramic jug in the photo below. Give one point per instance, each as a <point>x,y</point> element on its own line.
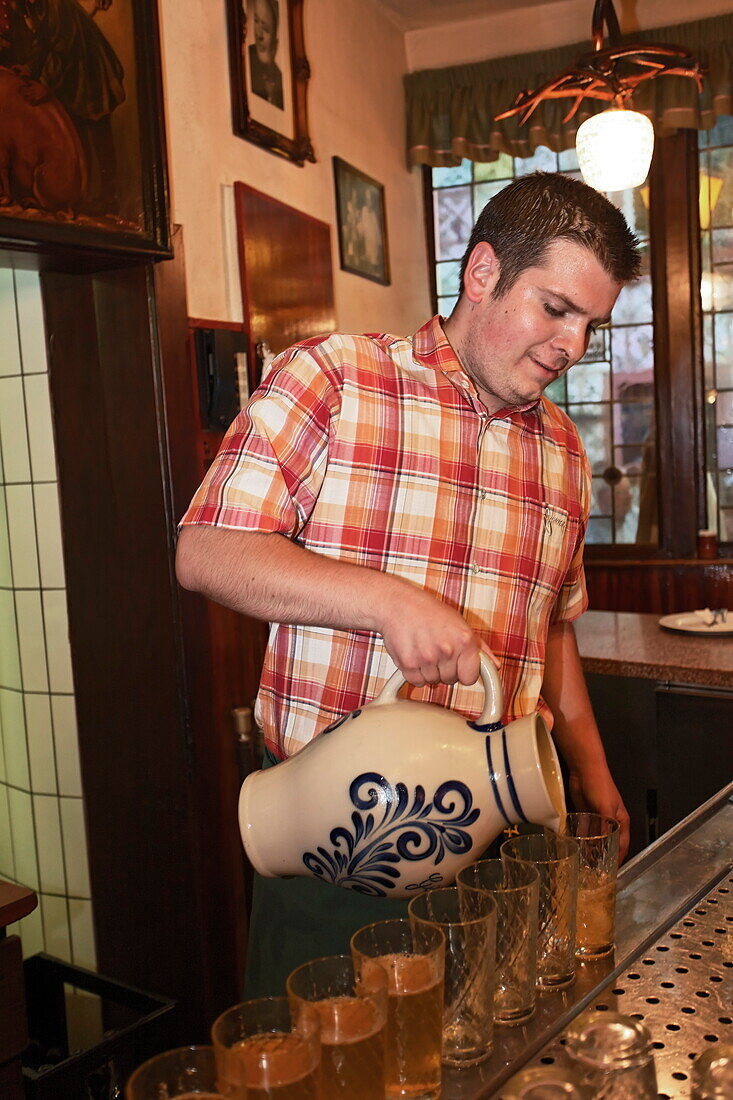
<point>399,795</point>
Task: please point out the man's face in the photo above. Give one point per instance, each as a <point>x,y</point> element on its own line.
<point>265,42</point>
<point>513,347</point>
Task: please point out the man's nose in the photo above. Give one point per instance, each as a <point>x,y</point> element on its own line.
<point>571,342</point>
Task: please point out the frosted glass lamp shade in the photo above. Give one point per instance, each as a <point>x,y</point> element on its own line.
<point>615,149</point>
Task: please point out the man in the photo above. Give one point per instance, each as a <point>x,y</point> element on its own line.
<point>264,73</point>
<point>387,502</point>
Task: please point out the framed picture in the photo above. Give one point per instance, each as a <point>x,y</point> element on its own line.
<point>362,225</point>
<point>81,129</point>
<point>269,75</point>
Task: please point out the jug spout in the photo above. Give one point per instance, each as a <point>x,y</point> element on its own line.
<point>525,775</point>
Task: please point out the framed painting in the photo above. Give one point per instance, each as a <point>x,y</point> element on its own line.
<point>362,223</point>
<point>81,129</point>
<point>269,75</point>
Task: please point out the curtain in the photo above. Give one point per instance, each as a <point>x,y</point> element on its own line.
<point>450,112</point>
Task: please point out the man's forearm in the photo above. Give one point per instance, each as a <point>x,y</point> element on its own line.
<point>269,577</point>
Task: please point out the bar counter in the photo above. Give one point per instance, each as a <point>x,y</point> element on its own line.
<point>674,925</point>
<point>624,643</point>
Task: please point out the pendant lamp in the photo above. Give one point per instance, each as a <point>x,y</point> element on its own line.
<point>614,146</point>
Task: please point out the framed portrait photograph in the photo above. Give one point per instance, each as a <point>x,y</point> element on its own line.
<point>269,75</point>
<point>362,223</point>
<point>81,129</point>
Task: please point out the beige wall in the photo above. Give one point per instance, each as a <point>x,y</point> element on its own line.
<point>540,27</point>
<point>356,111</point>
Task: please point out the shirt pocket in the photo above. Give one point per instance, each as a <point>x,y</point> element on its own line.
<point>556,540</point>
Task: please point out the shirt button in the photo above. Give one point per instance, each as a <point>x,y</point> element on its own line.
<point>483,494</point>
<point>474,568</point>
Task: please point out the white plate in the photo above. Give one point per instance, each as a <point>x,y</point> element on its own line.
<point>690,623</point>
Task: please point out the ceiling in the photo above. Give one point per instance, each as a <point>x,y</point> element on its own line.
<point>411,15</point>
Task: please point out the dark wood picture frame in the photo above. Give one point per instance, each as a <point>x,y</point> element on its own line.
<point>89,215</point>
<point>269,101</point>
<point>362,223</point>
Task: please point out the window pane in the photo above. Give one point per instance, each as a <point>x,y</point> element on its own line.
<point>567,161</point>
<point>721,164</point>
<point>634,303</point>
<point>721,133</point>
<point>724,408</point>
<point>723,336</point>
<point>500,169</point>
<point>482,192</point>
<point>723,287</point>
<point>449,177</point>
<point>542,160</point>
<point>597,347</point>
<point>556,391</point>
<point>725,448</point>
<point>453,221</point>
<point>633,356</point>
<point>589,382</point>
<point>446,306</point>
<point>448,277</point>
<point>599,531</point>
<point>626,509</point>
<point>594,425</point>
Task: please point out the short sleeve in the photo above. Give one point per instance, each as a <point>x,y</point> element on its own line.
<point>269,469</point>
<point>572,599</point>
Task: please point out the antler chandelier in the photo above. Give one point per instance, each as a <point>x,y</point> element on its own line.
<point>615,146</point>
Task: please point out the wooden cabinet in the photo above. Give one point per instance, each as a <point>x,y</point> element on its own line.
<point>669,747</point>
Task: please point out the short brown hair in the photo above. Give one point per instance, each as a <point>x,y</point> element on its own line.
<point>523,220</point>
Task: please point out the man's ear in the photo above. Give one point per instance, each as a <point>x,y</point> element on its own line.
<point>482,272</point>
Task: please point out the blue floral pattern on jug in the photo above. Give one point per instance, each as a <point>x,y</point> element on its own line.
<point>363,857</point>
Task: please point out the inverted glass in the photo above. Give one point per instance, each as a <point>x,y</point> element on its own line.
<point>413,957</point>
<point>514,886</point>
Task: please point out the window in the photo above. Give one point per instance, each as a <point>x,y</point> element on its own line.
<point>637,394</point>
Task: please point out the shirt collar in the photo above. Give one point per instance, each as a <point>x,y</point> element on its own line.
<point>432,348</point>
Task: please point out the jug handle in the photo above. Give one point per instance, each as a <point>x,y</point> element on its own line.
<point>493,694</point>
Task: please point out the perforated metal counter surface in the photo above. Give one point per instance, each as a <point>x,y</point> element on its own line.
<point>673,963</point>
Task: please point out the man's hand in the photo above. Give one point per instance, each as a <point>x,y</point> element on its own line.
<point>430,642</point>
<point>597,793</point>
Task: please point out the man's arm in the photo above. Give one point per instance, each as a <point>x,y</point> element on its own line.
<point>269,577</point>
<point>576,732</point>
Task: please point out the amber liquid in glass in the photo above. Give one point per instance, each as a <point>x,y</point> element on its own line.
<point>271,1065</point>
<point>352,1049</point>
<point>595,919</point>
<point>414,1025</point>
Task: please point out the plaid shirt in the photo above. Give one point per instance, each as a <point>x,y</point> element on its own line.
<point>376,450</point>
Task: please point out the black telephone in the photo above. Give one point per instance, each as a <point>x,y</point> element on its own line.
<point>216,351</point>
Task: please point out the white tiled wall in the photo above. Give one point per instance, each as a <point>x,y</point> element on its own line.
<point>42,833</point>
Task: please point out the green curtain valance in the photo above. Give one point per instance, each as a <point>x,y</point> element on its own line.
<point>450,112</point>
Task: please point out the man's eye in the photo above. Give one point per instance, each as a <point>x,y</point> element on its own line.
<point>554,312</point>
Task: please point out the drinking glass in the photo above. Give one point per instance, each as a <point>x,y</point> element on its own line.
<point>712,1073</point>
<point>413,956</point>
<point>545,1083</point>
<point>597,838</point>
<point>514,887</point>
<point>263,1049</point>
<point>613,1055</point>
<point>188,1073</point>
<point>353,1013</point>
<point>468,923</point>
<point>556,860</point>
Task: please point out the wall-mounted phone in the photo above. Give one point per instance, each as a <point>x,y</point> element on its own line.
<point>221,370</point>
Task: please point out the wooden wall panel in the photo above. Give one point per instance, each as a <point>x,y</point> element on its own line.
<point>659,587</point>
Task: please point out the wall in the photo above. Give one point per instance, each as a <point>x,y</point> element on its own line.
<point>541,27</point>
<point>42,835</point>
<point>356,111</point>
